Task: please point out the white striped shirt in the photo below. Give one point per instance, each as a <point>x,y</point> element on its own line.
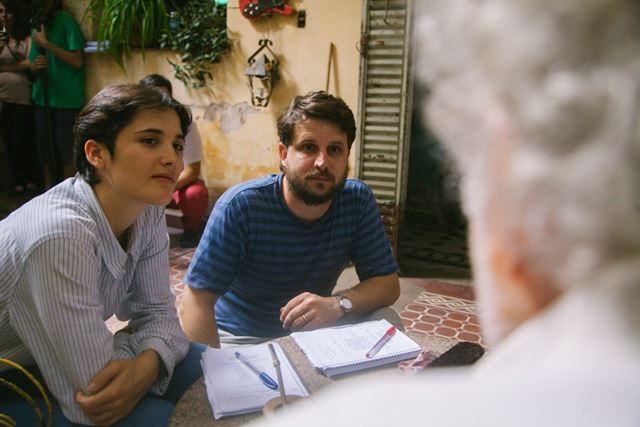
<point>63,272</point>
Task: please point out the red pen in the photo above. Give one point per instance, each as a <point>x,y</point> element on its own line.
<point>381,342</point>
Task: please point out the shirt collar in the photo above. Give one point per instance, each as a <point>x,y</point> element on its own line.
<point>113,256</point>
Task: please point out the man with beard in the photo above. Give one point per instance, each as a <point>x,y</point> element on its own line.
<point>274,247</point>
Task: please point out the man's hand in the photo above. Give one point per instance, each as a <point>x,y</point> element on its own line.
<point>118,387</point>
<point>309,311</point>
<point>40,38</point>
<point>40,63</point>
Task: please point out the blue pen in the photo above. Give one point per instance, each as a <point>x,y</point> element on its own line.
<point>266,379</point>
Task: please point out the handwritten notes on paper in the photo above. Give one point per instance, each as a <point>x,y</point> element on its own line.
<point>234,389</point>
<point>340,350</point>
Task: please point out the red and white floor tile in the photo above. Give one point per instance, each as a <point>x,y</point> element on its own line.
<point>445,309</point>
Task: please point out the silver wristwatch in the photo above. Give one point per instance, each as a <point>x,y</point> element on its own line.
<point>345,303</point>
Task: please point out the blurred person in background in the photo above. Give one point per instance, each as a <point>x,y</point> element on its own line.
<point>191,195</point>
<point>57,54</point>
<point>16,111</point>
<point>539,102</point>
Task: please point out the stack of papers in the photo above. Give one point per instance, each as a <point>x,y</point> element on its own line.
<point>341,350</point>
<point>234,389</point>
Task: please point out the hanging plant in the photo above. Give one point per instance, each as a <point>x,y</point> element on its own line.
<point>123,23</point>
<point>198,31</point>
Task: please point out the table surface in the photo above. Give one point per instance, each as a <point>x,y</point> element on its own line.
<point>194,408</point>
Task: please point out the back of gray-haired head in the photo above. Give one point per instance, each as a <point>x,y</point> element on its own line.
<point>538,100</point>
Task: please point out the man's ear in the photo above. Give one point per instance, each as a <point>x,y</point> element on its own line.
<point>95,153</point>
<point>282,152</point>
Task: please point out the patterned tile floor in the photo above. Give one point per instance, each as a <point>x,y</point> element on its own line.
<point>444,309</point>
<point>426,250</point>
<point>179,259</point>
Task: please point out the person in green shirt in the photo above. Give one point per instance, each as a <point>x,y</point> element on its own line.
<point>57,52</point>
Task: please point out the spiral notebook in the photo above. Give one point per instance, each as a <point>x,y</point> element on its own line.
<point>341,350</point>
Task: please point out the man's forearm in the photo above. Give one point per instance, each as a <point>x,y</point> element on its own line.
<point>198,317</point>
<point>373,293</point>
<point>73,58</point>
<point>201,328</point>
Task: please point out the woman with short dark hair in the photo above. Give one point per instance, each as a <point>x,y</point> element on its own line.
<point>94,246</point>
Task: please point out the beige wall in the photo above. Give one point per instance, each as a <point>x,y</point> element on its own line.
<point>239,140</point>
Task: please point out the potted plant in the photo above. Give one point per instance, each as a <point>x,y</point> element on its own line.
<point>198,31</point>
<point>123,23</point>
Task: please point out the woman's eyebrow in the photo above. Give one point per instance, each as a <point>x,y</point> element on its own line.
<point>149,130</point>
<point>179,135</point>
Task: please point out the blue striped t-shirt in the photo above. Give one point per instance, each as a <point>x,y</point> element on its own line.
<point>257,255</point>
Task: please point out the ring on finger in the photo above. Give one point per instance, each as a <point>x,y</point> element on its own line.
<point>304,317</point>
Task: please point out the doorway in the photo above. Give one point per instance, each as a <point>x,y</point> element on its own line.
<point>414,182</point>
<point>432,239</point>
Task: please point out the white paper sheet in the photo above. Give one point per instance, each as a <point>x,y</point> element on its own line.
<point>233,389</point>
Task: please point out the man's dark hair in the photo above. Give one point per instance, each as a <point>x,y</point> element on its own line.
<point>42,11</point>
<point>157,80</point>
<point>316,105</point>
<point>113,109</point>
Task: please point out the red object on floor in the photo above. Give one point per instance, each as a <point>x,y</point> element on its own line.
<point>252,9</point>
<point>192,200</point>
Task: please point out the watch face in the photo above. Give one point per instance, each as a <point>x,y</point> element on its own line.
<point>345,303</point>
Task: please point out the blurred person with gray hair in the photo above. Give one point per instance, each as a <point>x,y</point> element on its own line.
<point>539,102</point>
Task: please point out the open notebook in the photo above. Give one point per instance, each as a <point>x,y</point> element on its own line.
<point>341,350</point>
<point>234,389</point>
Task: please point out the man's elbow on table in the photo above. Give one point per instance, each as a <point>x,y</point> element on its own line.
<point>391,293</point>
<point>197,315</point>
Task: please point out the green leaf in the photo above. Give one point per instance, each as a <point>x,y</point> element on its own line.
<point>119,20</point>
<point>201,37</point>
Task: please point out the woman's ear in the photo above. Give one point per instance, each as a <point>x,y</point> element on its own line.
<point>95,153</point>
